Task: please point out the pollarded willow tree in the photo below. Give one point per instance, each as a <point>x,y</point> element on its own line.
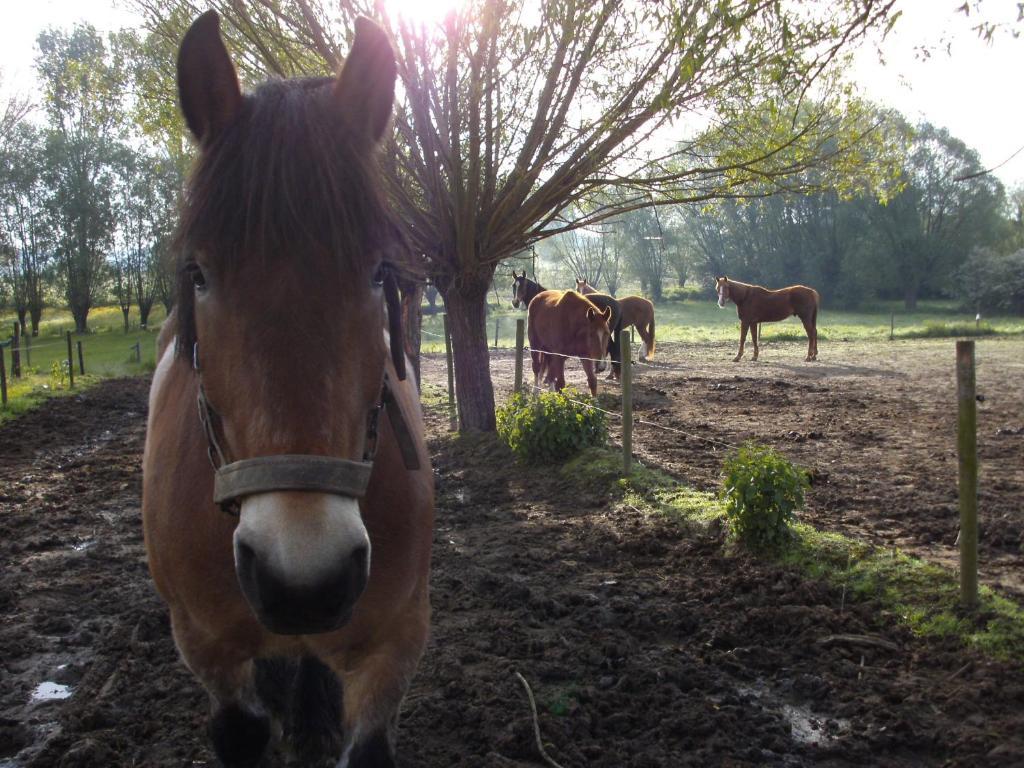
<point>511,114</point>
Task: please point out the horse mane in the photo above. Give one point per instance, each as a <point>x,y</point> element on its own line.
<point>285,180</point>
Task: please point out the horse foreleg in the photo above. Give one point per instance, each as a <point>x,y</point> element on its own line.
<point>743,339</point>
<point>556,372</point>
<point>755,330</point>
<point>588,368</point>
<point>240,727</point>
<point>537,358</point>
<point>374,687</point>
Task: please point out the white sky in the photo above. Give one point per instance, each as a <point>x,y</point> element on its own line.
<point>974,90</point>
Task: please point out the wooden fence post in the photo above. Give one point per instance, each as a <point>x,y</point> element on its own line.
<point>967,451</point>
<point>3,379</point>
<point>627,402</point>
<point>892,325</point>
<point>81,359</point>
<point>520,333</point>
<point>71,364</point>
<point>138,351</point>
<point>452,421</point>
<point>16,351</point>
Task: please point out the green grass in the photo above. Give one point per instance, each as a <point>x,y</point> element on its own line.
<point>107,351</point>
<point>698,319</point>
<point>923,596</point>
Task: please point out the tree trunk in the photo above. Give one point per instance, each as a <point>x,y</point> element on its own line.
<point>81,315</point>
<point>144,310</point>
<point>910,296</point>
<point>126,311</point>
<point>35,315</point>
<point>466,303</point>
<point>656,291</point>
<point>22,314</point>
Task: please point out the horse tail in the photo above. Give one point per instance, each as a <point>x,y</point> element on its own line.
<point>650,334</point>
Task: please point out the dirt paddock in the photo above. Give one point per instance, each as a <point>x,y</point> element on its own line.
<point>644,646</point>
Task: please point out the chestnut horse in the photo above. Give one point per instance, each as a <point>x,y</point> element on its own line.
<point>636,311</point>
<point>561,324</point>
<point>288,522</point>
<point>755,305</point>
<point>524,290</point>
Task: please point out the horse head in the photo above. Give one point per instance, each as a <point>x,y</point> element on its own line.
<point>584,287</point>
<point>519,287</point>
<point>599,332</point>
<point>722,289</point>
<point>284,271</point>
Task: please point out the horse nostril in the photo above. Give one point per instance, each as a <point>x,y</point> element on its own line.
<point>358,570</point>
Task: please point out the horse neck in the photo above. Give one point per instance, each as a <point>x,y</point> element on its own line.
<point>740,295</point>
<point>532,289</point>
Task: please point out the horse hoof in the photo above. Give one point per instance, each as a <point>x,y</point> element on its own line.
<point>239,737</point>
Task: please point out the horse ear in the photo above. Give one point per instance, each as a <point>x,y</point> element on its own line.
<point>591,313</point>
<point>207,84</point>
<point>607,314</point>
<point>366,83</point>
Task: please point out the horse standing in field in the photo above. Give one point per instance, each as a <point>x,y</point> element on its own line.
<point>566,324</point>
<point>636,311</point>
<point>756,305</point>
<point>288,522</point>
<point>524,290</point>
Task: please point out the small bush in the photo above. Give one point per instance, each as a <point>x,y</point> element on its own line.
<point>551,428</point>
<point>761,490</point>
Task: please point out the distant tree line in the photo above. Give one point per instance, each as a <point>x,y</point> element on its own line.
<point>87,198</point>
<point>935,226</point>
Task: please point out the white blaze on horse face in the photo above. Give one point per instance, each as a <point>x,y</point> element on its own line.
<point>301,537</point>
<point>721,296</point>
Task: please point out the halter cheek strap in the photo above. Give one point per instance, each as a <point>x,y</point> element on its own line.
<point>290,472</point>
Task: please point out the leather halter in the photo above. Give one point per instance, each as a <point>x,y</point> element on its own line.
<point>234,480</point>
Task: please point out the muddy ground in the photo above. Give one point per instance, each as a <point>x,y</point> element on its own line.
<point>645,645</point>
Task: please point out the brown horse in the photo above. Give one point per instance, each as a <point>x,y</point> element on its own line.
<point>565,324</point>
<point>524,290</point>
<point>636,311</point>
<point>755,305</point>
<point>304,610</point>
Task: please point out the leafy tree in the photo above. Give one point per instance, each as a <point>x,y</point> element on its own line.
<point>510,117</point>
<point>83,82</point>
<point>23,216</point>
<point>947,206</point>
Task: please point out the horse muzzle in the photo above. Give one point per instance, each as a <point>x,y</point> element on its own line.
<point>302,559</point>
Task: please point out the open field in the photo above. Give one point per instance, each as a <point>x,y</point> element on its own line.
<point>646,644</point>
<point>700,320</point>
<point>107,351</point>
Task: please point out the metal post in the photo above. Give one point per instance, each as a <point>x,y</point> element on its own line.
<point>27,338</point>
<point>81,359</point>
<point>71,364</point>
<point>892,325</point>
<point>453,422</point>
<point>138,351</point>
<point>967,450</point>
<point>497,321</point>
<point>520,333</point>
<point>627,402</point>
<point>16,351</point>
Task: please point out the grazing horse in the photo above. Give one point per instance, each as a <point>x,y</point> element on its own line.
<point>288,521</point>
<point>524,290</point>
<point>636,311</point>
<point>755,305</point>
<point>566,324</point>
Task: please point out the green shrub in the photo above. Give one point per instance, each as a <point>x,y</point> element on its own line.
<point>551,427</point>
<point>761,490</point>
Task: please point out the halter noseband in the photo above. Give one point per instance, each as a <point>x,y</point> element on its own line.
<point>299,472</point>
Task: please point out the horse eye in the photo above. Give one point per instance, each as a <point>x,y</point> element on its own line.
<point>196,275</point>
<point>379,274</point>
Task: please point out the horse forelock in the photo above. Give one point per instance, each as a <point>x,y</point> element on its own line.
<point>286,183</point>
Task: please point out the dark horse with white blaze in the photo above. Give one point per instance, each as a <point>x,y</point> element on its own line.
<point>756,305</point>
<point>288,522</point>
<point>524,290</point>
